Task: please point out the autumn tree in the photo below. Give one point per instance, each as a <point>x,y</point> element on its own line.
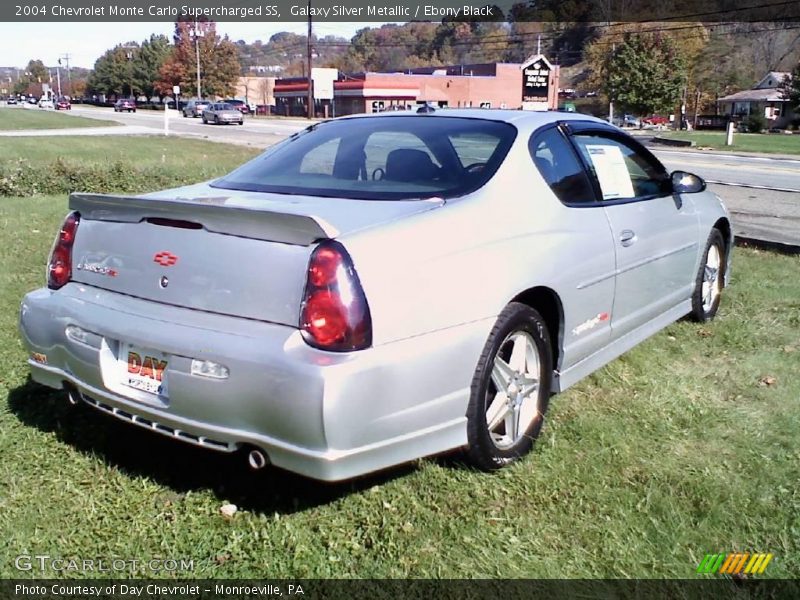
<point>219,62</point>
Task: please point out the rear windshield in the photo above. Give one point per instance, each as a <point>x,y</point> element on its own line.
<point>380,158</point>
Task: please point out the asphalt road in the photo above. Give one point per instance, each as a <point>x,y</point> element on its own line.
<point>255,132</point>
<point>762,193</point>
<point>757,171</point>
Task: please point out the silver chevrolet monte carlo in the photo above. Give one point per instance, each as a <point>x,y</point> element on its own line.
<point>377,288</point>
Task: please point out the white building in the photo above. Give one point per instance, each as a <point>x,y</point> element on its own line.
<point>764,98</point>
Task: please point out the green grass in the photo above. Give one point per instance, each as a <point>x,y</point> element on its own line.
<point>32,166</point>
<point>179,154</point>
<point>771,143</point>
<point>34,118</point>
<point>674,450</point>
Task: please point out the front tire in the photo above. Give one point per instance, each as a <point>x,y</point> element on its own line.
<point>510,389</point>
<point>710,279</point>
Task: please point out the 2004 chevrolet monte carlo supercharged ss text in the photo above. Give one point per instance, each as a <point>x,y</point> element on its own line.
<point>377,288</point>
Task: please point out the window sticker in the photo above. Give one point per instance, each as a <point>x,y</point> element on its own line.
<point>612,172</point>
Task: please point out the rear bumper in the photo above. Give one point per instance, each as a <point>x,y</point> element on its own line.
<point>325,415</point>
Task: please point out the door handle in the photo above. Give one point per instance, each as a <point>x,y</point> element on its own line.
<point>627,238</point>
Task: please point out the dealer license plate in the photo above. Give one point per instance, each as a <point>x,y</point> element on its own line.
<point>143,369</point>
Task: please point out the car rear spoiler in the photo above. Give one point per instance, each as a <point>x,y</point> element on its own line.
<point>211,213</point>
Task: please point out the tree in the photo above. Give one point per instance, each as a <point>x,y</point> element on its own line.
<point>790,88</point>
<point>37,71</point>
<point>148,61</point>
<point>219,61</point>
<point>645,74</point>
<point>35,74</point>
<point>114,73</point>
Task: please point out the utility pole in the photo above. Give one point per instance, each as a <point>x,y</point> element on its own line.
<point>129,54</point>
<point>611,94</point>
<point>611,98</point>
<point>197,36</point>
<point>308,57</point>
<point>66,56</point>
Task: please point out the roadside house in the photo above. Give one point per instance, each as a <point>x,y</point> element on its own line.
<point>764,98</point>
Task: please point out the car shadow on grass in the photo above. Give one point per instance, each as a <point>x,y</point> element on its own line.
<point>177,465</point>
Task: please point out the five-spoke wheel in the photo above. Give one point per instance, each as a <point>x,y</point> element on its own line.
<point>510,389</point>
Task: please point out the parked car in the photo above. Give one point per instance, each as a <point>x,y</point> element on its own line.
<point>125,104</point>
<point>625,121</point>
<point>11,101</point>
<point>222,113</point>
<point>377,288</point>
<point>46,103</point>
<point>239,105</point>
<point>656,120</point>
<point>63,104</point>
<point>195,108</point>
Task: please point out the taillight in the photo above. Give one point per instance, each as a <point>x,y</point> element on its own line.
<point>335,315</point>
<point>59,267</point>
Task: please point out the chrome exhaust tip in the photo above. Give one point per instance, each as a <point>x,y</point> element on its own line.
<point>73,396</point>
<point>257,460</point>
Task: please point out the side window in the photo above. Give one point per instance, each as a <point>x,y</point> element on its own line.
<point>561,169</point>
<point>321,159</point>
<point>622,171</point>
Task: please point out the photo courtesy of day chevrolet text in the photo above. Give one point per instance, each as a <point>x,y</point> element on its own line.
<point>150,590</point>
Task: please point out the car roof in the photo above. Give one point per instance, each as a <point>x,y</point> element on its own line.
<point>529,117</point>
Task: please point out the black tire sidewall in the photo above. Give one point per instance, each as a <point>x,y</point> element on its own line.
<point>698,313</point>
<point>481,450</point>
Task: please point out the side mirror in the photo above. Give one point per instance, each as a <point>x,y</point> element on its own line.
<point>686,183</point>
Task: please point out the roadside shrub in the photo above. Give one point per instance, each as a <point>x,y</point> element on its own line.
<point>22,178</point>
<point>755,123</point>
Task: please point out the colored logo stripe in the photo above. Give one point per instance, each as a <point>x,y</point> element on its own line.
<point>735,563</point>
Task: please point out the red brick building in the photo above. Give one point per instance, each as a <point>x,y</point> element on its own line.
<point>490,85</point>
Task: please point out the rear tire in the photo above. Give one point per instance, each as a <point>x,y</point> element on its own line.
<point>710,279</point>
<point>510,389</point>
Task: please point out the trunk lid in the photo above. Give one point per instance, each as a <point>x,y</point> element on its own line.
<point>241,254</point>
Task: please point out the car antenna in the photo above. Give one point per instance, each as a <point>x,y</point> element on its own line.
<point>426,108</point>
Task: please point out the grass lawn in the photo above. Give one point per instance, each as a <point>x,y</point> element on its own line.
<point>34,118</point>
<point>180,154</point>
<point>685,445</point>
<point>772,143</point>
<point>36,165</point>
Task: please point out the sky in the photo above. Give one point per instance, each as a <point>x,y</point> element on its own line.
<point>21,42</point>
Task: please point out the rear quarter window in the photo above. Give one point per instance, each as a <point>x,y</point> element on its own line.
<point>560,167</point>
